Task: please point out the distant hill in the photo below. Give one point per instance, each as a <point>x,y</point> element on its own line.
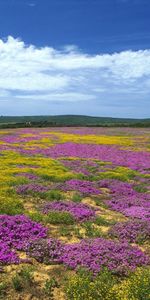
<point>69,120</point>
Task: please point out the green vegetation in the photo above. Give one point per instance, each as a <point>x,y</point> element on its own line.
<point>53,195</point>
<point>49,286</point>
<point>55,217</point>
<point>105,286</point>
<point>3,287</point>
<point>82,286</point>
<point>76,198</point>
<point>69,120</point>
<point>23,279</point>
<point>10,206</point>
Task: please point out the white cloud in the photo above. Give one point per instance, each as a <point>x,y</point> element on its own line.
<point>28,72</point>
<point>69,97</point>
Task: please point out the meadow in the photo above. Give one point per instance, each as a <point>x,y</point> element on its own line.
<point>75,213</point>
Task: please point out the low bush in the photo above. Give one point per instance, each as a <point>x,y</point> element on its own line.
<point>76,198</point>
<point>17,283</point>
<point>136,287</point>
<point>3,287</point>
<point>106,286</point>
<point>57,217</point>
<point>45,250</point>
<point>26,274</point>
<point>53,195</point>
<point>36,216</point>
<point>101,221</point>
<point>23,279</point>
<point>10,206</point>
<point>82,286</point>
<point>91,231</point>
<point>49,286</point>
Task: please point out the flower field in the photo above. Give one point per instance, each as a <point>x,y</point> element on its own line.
<point>75,214</point>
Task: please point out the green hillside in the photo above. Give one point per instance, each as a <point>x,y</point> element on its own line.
<point>69,120</point>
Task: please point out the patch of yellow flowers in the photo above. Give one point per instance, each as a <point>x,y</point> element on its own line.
<point>94,139</point>
<point>134,287</point>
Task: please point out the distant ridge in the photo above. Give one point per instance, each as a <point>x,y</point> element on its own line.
<point>69,120</point>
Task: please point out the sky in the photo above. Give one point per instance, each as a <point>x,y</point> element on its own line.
<point>89,57</point>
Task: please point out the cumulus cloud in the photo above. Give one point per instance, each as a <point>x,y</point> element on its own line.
<point>48,74</point>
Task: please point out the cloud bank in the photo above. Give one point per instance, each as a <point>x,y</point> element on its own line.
<point>44,76</point>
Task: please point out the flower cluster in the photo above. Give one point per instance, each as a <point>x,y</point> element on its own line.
<point>7,256</point>
<point>27,175</point>
<point>86,166</point>
<point>94,254</point>
<point>31,187</point>
<point>132,206</point>
<point>15,233</point>
<point>79,211</point>
<point>117,188</point>
<point>45,250</point>
<point>83,186</point>
<point>126,200</point>
<point>132,231</point>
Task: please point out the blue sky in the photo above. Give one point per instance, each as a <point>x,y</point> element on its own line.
<point>75,57</point>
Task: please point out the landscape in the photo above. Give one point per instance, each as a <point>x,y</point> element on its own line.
<point>74,150</point>
<point>75,213</point>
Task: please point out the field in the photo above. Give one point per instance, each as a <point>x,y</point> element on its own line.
<point>75,214</point>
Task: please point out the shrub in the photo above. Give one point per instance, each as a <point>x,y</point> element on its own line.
<point>132,231</point>
<point>105,286</point>
<point>57,217</point>
<point>49,286</point>
<point>17,283</point>
<point>53,195</point>
<point>31,188</point>
<point>101,221</point>
<point>36,216</point>
<point>45,251</point>
<point>91,231</point>
<point>16,232</point>
<point>85,187</point>
<point>141,188</point>
<point>26,274</point>
<point>65,231</point>
<point>10,206</point>
<point>76,198</point>
<point>23,279</point>
<point>3,287</point>
<point>79,211</point>
<point>94,254</point>
<point>83,287</point>
<point>136,287</point>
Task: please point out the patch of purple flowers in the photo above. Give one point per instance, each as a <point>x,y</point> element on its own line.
<point>138,212</point>
<point>136,160</point>
<point>94,254</point>
<point>31,187</point>
<point>27,175</point>
<point>79,211</point>
<point>7,256</point>
<point>117,187</point>
<point>15,233</point>
<point>45,250</point>
<point>126,200</point>
<point>132,206</point>
<point>132,231</point>
<point>83,186</point>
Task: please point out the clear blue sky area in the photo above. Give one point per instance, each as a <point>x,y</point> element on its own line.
<point>75,57</point>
